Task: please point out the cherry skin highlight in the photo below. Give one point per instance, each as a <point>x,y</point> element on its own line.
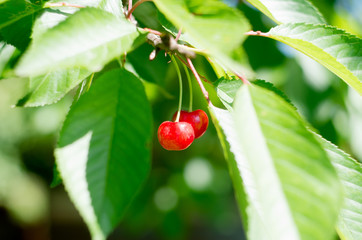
<point>175,136</point>
<point>198,120</point>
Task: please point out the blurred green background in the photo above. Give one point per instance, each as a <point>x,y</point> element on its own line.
<point>188,194</point>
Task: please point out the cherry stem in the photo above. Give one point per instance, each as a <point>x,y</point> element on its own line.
<point>178,34</point>
<point>243,78</point>
<point>135,6</point>
<point>62,4</point>
<point>203,90</point>
<point>187,65</point>
<point>180,83</point>
<point>153,31</point>
<point>257,33</point>
<point>130,5</point>
<point>190,86</point>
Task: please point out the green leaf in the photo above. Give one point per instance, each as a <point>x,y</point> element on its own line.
<point>103,153</point>
<point>16,20</point>
<point>6,53</point>
<point>52,16</point>
<point>112,6</point>
<point>289,11</point>
<point>153,71</point>
<point>221,116</point>
<point>348,169</point>
<point>226,90</point>
<point>90,38</point>
<point>292,188</point>
<point>350,173</point>
<point>335,49</point>
<point>209,25</point>
<point>50,88</point>
<point>57,180</point>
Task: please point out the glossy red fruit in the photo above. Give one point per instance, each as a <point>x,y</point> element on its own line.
<point>198,119</point>
<point>175,136</point>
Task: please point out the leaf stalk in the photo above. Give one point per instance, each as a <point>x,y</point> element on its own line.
<point>203,90</point>
<point>135,6</point>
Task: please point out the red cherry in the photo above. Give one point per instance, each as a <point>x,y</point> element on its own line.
<point>198,119</point>
<point>175,136</point>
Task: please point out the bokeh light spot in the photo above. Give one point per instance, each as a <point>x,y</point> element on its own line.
<point>165,198</point>
<point>198,174</point>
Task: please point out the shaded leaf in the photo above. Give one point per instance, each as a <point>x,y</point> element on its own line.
<point>103,151</point>
<point>16,20</point>
<point>90,38</point>
<point>199,19</point>
<point>153,71</point>
<point>57,180</point>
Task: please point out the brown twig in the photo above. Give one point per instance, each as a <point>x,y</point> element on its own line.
<point>203,90</point>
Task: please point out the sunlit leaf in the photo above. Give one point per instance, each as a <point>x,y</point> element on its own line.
<point>226,90</point>
<point>292,189</point>
<point>335,49</point>
<point>220,116</point>
<point>289,11</point>
<point>350,173</point>
<point>90,38</point>
<point>50,88</point>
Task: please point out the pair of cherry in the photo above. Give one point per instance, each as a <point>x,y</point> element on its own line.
<point>176,136</point>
